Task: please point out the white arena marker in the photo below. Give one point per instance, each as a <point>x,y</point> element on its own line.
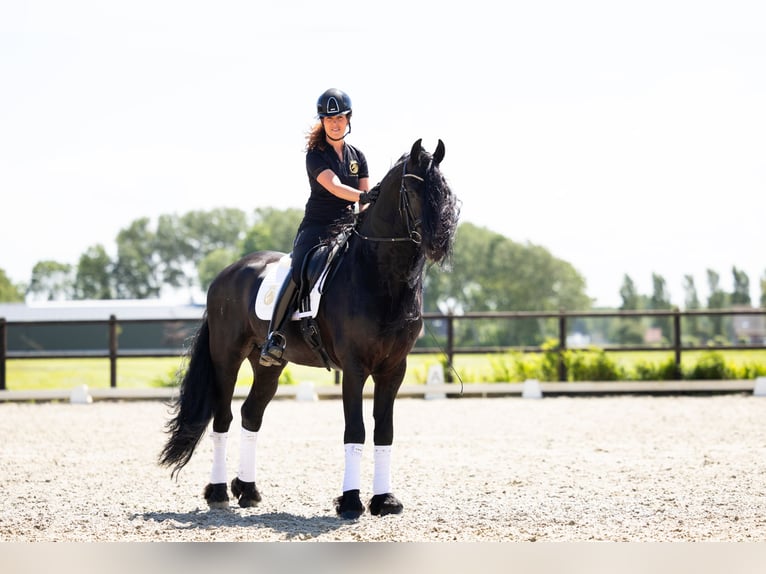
<point>760,387</point>
<point>532,389</point>
<point>306,392</point>
<point>435,378</point>
<point>80,396</point>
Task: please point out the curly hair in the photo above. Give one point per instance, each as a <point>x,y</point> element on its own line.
<point>315,138</point>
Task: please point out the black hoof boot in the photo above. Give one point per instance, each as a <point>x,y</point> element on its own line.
<point>382,504</point>
<point>216,495</point>
<point>349,506</point>
<point>246,493</point>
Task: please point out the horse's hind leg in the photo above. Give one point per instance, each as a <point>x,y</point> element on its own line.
<point>215,491</point>
<point>265,382</point>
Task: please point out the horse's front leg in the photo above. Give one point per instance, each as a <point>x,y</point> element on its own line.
<point>349,504</point>
<point>265,382</point>
<point>386,386</point>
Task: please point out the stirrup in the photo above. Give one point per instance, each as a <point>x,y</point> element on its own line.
<point>273,349</point>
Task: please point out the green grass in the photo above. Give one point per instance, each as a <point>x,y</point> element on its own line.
<point>48,374</point>
<point>56,374</point>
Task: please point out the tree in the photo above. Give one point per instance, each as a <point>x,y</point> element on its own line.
<point>212,264</point>
<point>628,330</point>
<point>763,290</point>
<point>183,242</point>
<point>660,300</point>
<point>51,280</point>
<point>716,300</point>
<point>273,230</point>
<point>631,300</point>
<point>490,272</point>
<point>716,296</point>
<point>137,270</point>
<point>94,275</point>
<point>10,293</point>
<point>691,303</point>
<point>741,294</point>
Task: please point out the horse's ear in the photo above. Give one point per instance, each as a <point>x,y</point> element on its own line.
<point>415,151</point>
<point>439,153</point>
<point>412,160</point>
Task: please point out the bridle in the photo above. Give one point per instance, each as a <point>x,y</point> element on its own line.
<point>405,209</point>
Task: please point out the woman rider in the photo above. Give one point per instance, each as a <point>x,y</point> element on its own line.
<point>338,178</point>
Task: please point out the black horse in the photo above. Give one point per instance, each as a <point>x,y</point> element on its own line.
<point>369,319</point>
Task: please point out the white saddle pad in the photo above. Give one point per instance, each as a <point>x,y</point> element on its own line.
<point>267,294</point>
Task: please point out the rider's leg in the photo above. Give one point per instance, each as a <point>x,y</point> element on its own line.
<point>274,347</point>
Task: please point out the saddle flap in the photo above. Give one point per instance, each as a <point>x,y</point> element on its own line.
<point>265,299</point>
<point>275,274</point>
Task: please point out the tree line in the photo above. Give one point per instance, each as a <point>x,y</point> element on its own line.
<point>488,272</point>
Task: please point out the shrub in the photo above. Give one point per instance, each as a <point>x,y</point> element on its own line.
<point>529,367</point>
<point>549,365</point>
<point>502,370</point>
<point>592,365</point>
<point>287,378</point>
<point>171,379</point>
<point>663,371</point>
<point>751,371</point>
<point>711,366</point>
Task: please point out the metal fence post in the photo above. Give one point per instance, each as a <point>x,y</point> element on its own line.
<point>677,340</point>
<point>112,351</point>
<point>450,347</point>
<point>562,346</point>
<point>3,349</point>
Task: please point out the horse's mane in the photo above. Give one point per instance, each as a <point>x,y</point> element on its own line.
<point>441,211</point>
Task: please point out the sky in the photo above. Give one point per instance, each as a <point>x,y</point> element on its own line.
<point>627,138</point>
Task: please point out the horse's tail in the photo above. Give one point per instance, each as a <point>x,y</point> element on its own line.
<point>194,406</point>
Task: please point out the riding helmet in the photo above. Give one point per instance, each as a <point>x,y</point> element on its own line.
<point>333,102</point>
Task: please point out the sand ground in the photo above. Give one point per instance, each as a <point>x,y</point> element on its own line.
<point>629,468</point>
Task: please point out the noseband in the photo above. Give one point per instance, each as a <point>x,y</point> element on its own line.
<point>405,210</point>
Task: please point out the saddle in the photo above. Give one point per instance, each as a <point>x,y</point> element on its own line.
<point>317,270</point>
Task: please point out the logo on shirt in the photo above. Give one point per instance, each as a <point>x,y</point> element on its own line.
<point>353,167</point>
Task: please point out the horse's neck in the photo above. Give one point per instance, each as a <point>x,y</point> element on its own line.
<point>395,265</point>
<point>385,217</point>
<point>385,239</point>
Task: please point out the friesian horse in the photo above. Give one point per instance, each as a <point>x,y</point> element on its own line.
<point>369,319</point>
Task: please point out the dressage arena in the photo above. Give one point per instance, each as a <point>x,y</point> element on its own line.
<point>612,468</point>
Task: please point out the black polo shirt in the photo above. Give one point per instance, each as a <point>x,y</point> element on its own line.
<point>322,207</point>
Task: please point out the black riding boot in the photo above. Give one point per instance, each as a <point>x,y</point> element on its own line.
<point>274,347</point>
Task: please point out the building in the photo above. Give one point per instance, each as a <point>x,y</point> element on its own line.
<point>84,325</point>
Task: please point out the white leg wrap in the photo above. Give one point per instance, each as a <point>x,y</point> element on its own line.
<point>353,472</point>
<point>218,473</point>
<point>247,456</point>
<point>381,481</point>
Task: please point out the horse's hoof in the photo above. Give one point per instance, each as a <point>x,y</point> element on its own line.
<point>246,493</point>
<point>216,496</point>
<point>349,506</point>
<point>382,504</point>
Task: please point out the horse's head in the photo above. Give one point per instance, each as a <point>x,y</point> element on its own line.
<point>428,193</point>
<point>413,203</point>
